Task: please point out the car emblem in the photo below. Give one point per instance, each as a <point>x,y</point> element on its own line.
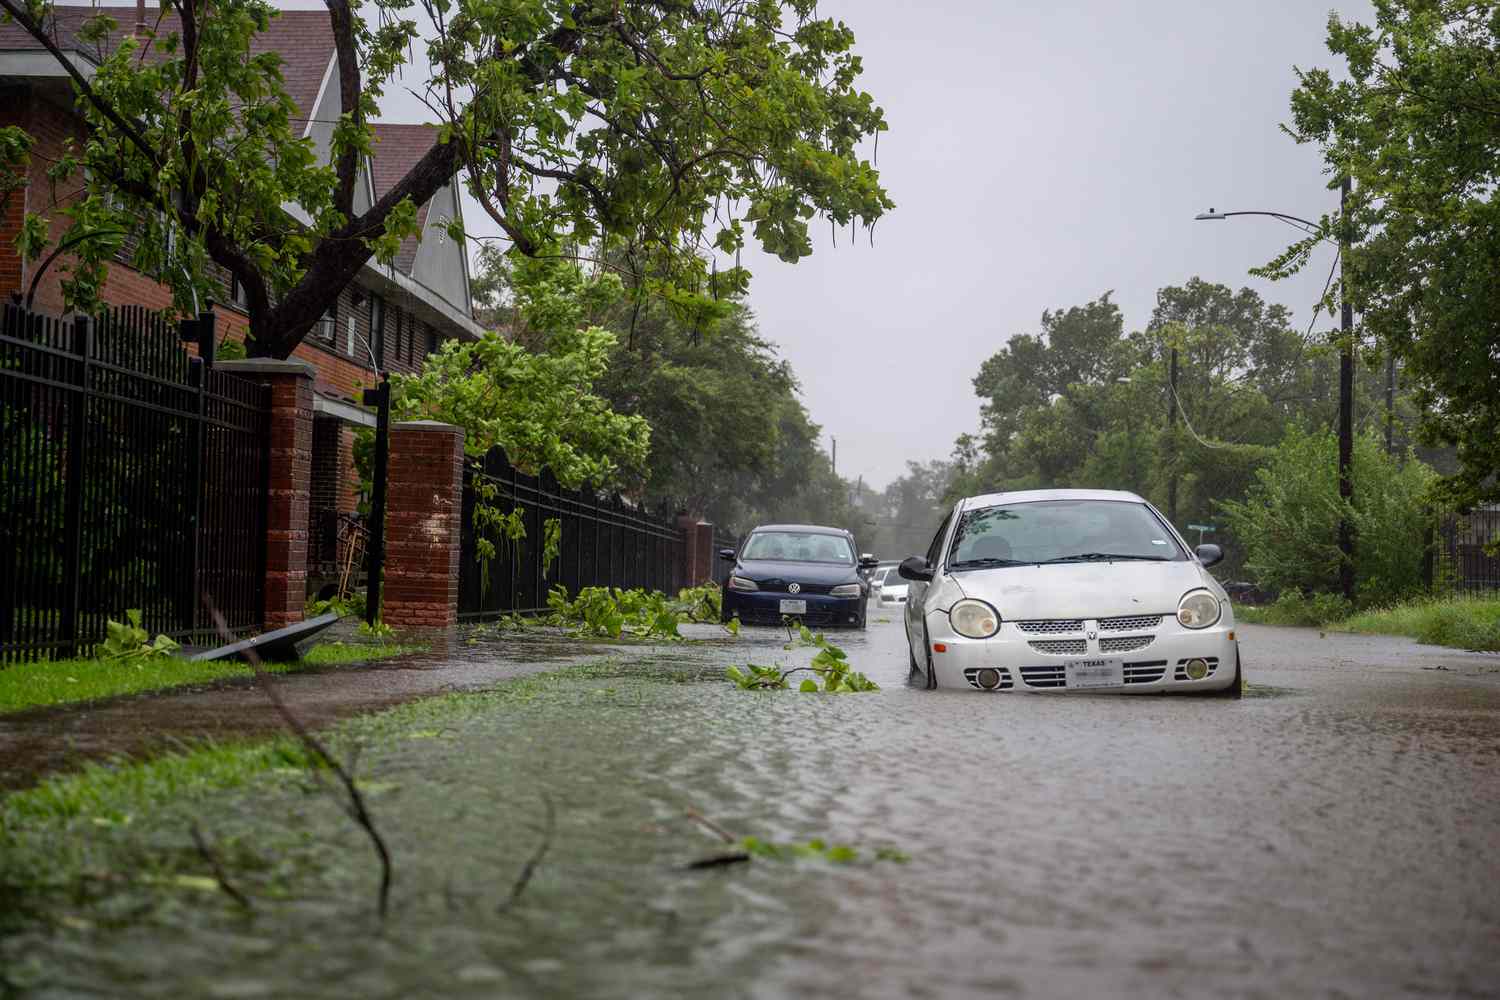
<point>1093,635</point>
<point>795,588</point>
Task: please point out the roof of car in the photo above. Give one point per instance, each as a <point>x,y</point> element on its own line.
<point>1038,496</point>
<point>814,528</point>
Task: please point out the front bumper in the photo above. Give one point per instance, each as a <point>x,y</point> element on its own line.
<point>1154,656</point>
<point>763,607</point>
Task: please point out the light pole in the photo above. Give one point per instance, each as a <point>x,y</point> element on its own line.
<point>1346,375</point>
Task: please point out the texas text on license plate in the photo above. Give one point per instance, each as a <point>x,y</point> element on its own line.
<point>1095,673</point>
<point>794,607</point>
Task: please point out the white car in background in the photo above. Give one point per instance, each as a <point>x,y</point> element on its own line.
<point>1067,591</point>
<point>889,591</point>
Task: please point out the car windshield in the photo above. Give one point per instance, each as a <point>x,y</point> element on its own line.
<point>799,546</point>
<point>1060,531</point>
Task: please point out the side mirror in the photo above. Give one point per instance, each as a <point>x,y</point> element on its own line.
<point>868,561</point>
<point>914,568</point>
<point>1209,554</point>
<point>727,555</point>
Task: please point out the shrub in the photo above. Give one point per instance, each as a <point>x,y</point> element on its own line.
<point>1289,519</point>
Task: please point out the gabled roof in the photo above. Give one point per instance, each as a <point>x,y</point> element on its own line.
<point>396,149</point>
<point>303,39</point>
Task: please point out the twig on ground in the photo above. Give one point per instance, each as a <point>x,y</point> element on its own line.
<point>220,876</point>
<point>711,826</point>
<point>717,861</point>
<point>530,867</point>
<point>355,808</point>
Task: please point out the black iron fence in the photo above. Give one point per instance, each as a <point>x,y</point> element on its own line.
<point>600,542</point>
<point>1459,562</point>
<point>131,476</point>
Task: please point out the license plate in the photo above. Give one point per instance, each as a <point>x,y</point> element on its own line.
<point>1096,673</point>
<point>794,607</point>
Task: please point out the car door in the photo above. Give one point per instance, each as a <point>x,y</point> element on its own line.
<point>916,593</point>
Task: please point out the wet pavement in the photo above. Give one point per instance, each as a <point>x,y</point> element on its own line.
<point>1336,833</point>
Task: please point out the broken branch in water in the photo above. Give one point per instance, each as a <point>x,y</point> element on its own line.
<point>530,867</point>
<point>207,854</point>
<point>717,861</point>
<point>355,807</point>
<point>711,826</point>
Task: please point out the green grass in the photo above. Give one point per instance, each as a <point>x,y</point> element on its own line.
<point>63,682</point>
<point>1460,622</point>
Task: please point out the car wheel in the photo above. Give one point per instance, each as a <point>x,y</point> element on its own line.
<point>931,673</point>
<point>911,658</point>
<point>1237,689</point>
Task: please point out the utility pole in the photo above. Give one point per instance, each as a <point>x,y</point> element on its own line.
<point>835,461</point>
<point>1346,401</point>
<point>1172,432</point>
<point>1390,400</point>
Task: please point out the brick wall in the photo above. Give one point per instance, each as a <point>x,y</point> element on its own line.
<point>425,503</point>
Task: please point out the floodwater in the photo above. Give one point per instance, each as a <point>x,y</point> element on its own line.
<point>1336,833</point>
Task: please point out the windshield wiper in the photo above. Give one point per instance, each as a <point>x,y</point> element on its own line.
<point>985,561</point>
<point>1102,557</point>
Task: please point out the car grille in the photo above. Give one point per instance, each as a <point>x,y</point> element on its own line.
<point>1055,675</point>
<point>971,674</point>
<point>1051,626</point>
<point>1124,643</point>
<point>1145,673</point>
<point>1180,673</point>
<point>1130,623</point>
<point>1060,647</point>
<point>758,616</point>
<point>780,586</point>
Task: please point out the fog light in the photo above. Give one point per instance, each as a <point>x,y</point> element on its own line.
<point>1196,669</point>
<point>988,678</point>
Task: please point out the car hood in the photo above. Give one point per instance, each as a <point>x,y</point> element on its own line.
<point>761,570</point>
<point>1085,590</point>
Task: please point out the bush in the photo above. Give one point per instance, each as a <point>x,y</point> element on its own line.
<point>1296,608</point>
<point>1289,519</point>
<point>1460,622</point>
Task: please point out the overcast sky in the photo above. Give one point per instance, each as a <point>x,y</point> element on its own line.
<point>1040,153</point>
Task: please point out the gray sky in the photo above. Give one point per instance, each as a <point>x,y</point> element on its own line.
<point>1040,153</point>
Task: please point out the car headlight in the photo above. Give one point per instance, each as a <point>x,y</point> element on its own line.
<point>1200,609</point>
<point>740,583</point>
<point>846,590</point>
<point>975,619</point>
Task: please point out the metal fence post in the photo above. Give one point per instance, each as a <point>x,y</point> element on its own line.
<point>190,601</point>
<point>78,403</point>
<point>380,397</point>
<point>1429,553</point>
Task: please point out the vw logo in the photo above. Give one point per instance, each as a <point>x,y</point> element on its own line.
<point>795,588</point>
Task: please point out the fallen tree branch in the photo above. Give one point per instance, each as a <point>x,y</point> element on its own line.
<point>711,826</point>
<point>717,861</point>
<point>220,876</point>
<point>355,807</point>
<point>532,863</point>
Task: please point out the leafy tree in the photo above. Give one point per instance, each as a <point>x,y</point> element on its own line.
<point>1417,126</point>
<point>659,129</point>
<point>1289,518</point>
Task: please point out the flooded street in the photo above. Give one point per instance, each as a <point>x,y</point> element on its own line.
<point>1335,833</point>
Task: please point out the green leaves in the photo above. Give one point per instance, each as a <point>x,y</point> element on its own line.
<point>128,641</point>
<point>640,614</point>
<point>830,666</point>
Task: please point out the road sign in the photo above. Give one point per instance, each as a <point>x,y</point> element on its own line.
<point>1202,527</point>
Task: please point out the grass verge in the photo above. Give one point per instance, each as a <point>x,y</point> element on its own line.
<point>1460,622</point>
<point>63,682</point>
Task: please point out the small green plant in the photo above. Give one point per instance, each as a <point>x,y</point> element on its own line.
<point>379,630</point>
<point>128,640</point>
<point>842,854</point>
<point>613,612</point>
<point>354,604</point>
<point>551,543</point>
<point>830,666</point>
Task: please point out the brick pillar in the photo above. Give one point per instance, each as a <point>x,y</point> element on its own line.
<point>697,563</point>
<point>424,514</point>
<point>287,503</point>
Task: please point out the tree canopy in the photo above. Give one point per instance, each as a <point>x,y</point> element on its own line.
<point>660,131</point>
<point>1416,124</point>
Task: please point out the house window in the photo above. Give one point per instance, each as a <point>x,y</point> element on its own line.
<point>237,294</point>
<point>327,328</point>
<point>377,330</point>
<point>432,340</point>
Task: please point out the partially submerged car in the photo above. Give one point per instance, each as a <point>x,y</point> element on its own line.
<point>805,572</point>
<point>1067,591</point>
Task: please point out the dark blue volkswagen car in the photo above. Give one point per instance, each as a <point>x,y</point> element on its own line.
<point>801,571</point>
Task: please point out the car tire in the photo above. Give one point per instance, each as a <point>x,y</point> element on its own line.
<point>931,673</point>
<point>1237,689</point>
<point>914,667</point>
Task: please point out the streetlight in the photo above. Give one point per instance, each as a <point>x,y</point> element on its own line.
<point>1346,375</point>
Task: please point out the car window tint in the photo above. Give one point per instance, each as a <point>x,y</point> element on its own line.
<point>1061,529</point>
<point>799,546</point>
<point>934,551</point>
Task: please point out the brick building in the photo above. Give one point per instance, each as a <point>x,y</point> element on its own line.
<point>389,317</point>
